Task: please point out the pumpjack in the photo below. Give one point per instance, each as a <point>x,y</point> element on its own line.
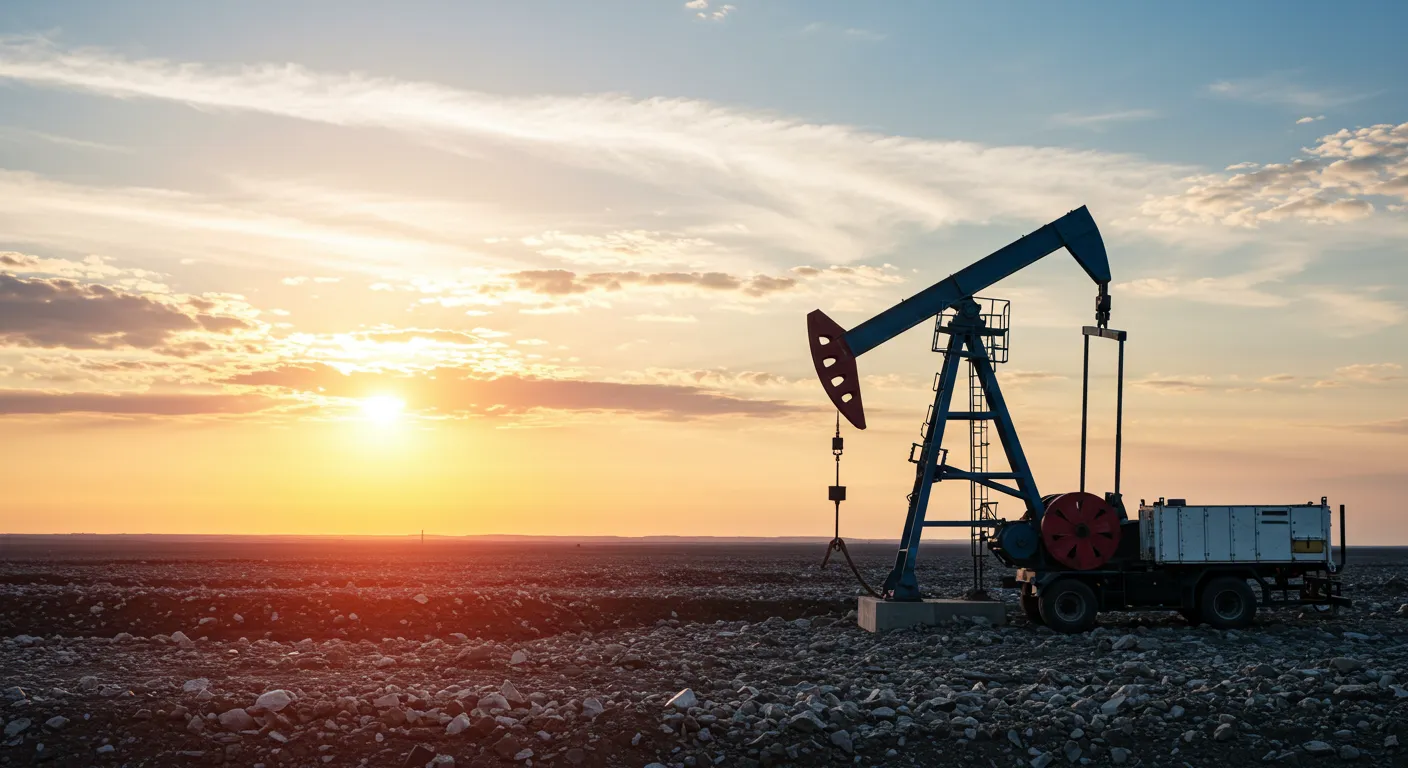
<point>1076,552</point>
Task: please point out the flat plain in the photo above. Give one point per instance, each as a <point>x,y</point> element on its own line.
<point>169,651</point>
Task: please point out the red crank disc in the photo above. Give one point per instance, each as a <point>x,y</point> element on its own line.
<point>1080,530</point>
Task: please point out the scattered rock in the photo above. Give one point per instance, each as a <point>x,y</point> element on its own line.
<point>273,701</point>
<point>457,725</point>
<point>237,719</point>
<point>1318,748</point>
<point>683,700</point>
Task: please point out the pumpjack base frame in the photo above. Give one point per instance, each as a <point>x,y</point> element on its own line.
<point>876,615</point>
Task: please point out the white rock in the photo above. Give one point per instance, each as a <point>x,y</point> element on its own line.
<point>237,720</point>
<point>511,694</point>
<point>1318,748</point>
<point>1112,706</point>
<point>56,722</point>
<point>352,617</point>
<point>458,725</point>
<point>683,700</point>
<point>195,686</point>
<point>386,701</point>
<point>180,638</point>
<point>422,599</point>
<point>106,749</point>
<point>518,657</point>
<point>443,760</point>
<point>492,702</point>
<point>274,700</point>
<point>384,662</point>
<point>238,618</point>
<point>591,707</point>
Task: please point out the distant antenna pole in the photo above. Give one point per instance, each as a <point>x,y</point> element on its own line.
<point>422,537</point>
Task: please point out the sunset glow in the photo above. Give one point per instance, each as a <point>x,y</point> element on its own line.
<point>278,271</point>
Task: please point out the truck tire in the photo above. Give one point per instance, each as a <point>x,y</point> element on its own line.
<point>1068,606</point>
<point>1227,603</point>
<point>1031,605</point>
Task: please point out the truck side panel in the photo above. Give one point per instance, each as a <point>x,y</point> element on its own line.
<point>1192,527</point>
<point>1244,539</point>
<point>1217,522</point>
<point>1273,524</point>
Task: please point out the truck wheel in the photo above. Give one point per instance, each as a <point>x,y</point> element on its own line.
<point>1068,606</point>
<point>1031,605</point>
<point>1228,603</point>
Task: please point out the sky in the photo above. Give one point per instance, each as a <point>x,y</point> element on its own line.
<point>543,268</point>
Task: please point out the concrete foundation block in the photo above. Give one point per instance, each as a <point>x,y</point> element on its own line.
<point>877,615</point>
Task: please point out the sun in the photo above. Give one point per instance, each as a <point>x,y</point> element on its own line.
<point>382,409</point>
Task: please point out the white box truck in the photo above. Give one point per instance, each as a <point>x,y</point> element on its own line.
<point>1214,563</point>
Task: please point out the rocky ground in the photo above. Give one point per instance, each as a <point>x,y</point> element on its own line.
<point>157,653</point>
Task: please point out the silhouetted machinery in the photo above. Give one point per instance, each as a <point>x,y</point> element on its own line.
<point>1077,553</point>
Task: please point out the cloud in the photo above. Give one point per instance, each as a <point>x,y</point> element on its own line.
<point>1245,289</point>
<point>29,402</point>
<point>1327,186</point>
<point>1030,377</point>
<point>834,191</point>
<point>1350,312</point>
<point>412,335</point>
<point>1364,373</point>
<point>454,392</point>
<point>1356,312</point>
<point>1305,120</point>
<point>1099,120</point>
<point>718,377</point>
<point>1175,385</point>
<point>1278,90</point>
<point>561,290</point>
<point>653,318</point>
<point>63,141</point>
<point>623,248</point>
<point>59,312</point>
<point>851,33</point>
<point>702,10</point>
<point>1387,427</point>
<point>561,282</point>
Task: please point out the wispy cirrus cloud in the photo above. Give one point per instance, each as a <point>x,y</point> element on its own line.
<point>1280,89</point>
<point>836,191</point>
<point>1097,121</point>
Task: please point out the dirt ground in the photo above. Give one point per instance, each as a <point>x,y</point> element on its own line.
<point>151,651</point>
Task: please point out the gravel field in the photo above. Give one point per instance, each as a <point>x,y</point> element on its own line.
<point>134,651</point>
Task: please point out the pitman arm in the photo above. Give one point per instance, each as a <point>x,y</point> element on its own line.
<point>834,350</point>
